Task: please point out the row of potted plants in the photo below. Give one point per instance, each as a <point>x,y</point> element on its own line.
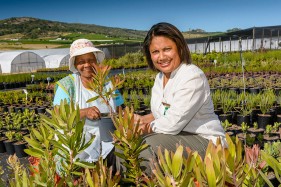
<point>263,107</point>
<point>13,126</point>
<point>236,165</point>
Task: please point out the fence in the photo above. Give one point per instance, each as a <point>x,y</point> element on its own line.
<point>251,39</point>
<point>119,50</point>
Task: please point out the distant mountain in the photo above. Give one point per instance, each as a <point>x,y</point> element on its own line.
<point>33,28</point>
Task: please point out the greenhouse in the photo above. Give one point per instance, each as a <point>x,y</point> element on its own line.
<point>55,61</point>
<point>28,61</point>
<point>18,61</point>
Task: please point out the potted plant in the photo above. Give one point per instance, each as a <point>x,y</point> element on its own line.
<point>276,128</point>
<point>2,138</point>
<point>272,149</point>
<point>255,129</point>
<point>227,105</point>
<point>244,129</point>
<point>216,98</point>
<point>19,145</point>
<point>266,101</point>
<point>227,127</point>
<point>268,135</point>
<point>245,109</point>
<point>9,142</point>
<point>146,101</point>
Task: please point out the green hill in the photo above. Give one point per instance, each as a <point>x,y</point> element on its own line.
<point>33,28</point>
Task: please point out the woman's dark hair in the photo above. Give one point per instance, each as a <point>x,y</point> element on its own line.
<point>170,31</point>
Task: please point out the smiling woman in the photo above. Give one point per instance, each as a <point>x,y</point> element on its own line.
<point>84,59</point>
<point>181,104</point>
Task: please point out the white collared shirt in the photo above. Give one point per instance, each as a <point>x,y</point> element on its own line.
<point>191,107</point>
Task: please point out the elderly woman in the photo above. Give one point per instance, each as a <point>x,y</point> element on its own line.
<point>181,104</point>
<point>84,57</point>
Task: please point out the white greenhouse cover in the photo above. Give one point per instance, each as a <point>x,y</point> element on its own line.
<point>46,52</point>
<point>56,61</point>
<point>31,60</point>
<point>19,61</point>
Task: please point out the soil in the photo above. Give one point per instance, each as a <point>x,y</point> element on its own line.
<point>5,167</point>
<point>270,137</point>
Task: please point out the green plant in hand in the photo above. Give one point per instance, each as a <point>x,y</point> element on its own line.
<point>99,80</point>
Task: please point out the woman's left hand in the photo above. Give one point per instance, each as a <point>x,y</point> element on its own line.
<point>138,119</point>
<point>145,129</point>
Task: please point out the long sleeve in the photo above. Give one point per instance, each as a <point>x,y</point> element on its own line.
<point>191,107</point>
<point>186,97</point>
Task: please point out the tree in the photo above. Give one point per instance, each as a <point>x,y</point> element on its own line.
<point>233,29</point>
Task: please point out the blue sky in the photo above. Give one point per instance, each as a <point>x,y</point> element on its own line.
<point>209,15</point>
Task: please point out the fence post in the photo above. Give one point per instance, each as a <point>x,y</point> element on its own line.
<point>229,44</point>
<point>254,40</point>
<point>247,42</point>
<point>278,40</point>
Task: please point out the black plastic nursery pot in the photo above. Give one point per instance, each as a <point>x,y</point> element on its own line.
<point>254,116</point>
<point>224,117</point>
<point>19,149</point>
<point>256,131</point>
<point>2,146</point>
<point>264,120</point>
<point>240,119</point>
<point>41,110</point>
<point>278,118</point>
<point>254,90</point>
<point>9,147</point>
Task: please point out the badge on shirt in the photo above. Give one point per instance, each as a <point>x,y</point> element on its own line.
<point>166,107</point>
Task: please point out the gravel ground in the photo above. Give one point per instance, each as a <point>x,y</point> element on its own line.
<point>5,167</point>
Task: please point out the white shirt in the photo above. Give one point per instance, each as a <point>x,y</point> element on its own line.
<point>92,127</point>
<point>191,107</point>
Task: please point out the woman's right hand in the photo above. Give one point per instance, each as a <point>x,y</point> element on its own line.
<point>92,113</point>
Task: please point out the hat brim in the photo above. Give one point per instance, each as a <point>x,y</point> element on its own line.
<point>98,54</point>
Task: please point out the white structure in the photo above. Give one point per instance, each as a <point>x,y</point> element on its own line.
<point>19,61</point>
<point>46,52</point>
<point>233,45</point>
<point>31,60</point>
<point>56,61</point>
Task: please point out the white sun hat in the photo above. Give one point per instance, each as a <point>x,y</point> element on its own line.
<point>80,47</point>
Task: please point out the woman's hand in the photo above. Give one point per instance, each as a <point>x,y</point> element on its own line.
<point>145,129</point>
<point>146,119</point>
<point>138,119</point>
<point>92,113</point>
<point>144,122</point>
